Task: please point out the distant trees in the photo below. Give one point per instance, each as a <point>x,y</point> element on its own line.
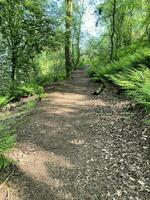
<point>122,26</point>
<point>74,13</point>
<point>77,34</point>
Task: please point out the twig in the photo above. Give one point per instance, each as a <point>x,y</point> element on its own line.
<point>6,180</point>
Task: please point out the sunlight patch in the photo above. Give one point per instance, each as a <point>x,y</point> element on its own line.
<point>39,164</point>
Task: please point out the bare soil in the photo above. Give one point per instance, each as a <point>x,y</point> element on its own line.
<point>76,146</point>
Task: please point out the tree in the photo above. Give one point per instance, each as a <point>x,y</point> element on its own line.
<point>113,29</point>
<point>23,24</point>
<point>121,24</point>
<point>68,34</point>
<point>77,23</point>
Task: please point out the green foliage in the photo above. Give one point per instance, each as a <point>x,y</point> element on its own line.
<point>3,101</point>
<point>26,29</point>
<point>137,84</point>
<point>50,67</point>
<point>130,61</point>
<point>22,90</point>
<point>28,89</point>
<point>7,142</point>
<point>29,106</point>
<point>130,72</point>
<point>4,162</point>
<point>93,71</point>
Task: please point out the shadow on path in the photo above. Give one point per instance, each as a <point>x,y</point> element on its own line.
<point>78,147</point>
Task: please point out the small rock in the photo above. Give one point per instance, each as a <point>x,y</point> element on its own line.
<point>141,182</point>
<point>132,179</point>
<point>119,193</point>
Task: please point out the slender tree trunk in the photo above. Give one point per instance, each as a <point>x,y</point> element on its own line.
<point>148,25</point>
<point>76,53</point>
<point>68,6</point>
<point>130,28</point>
<point>112,48</point>
<point>78,48</point>
<point>13,72</point>
<point>13,65</point>
<point>79,10</point>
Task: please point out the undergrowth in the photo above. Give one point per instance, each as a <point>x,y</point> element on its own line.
<point>130,61</point>
<point>131,73</point>
<point>136,83</point>
<point>4,100</point>
<point>7,142</point>
<point>28,89</point>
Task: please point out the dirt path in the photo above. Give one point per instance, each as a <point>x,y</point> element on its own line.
<point>79,147</point>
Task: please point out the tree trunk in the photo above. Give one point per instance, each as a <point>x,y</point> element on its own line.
<point>13,65</point>
<point>148,19</point>
<point>78,50</point>
<point>68,59</point>
<point>112,48</point>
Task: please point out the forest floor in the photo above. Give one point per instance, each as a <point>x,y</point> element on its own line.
<point>76,146</point>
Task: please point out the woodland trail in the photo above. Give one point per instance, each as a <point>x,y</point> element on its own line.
<point>76,146</point>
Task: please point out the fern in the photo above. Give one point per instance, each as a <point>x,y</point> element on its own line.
<point>6,144</point>
<point>28,89</point>
<point>4,162</point>
<point>137,84</point>
<point>3,101</point>
<point>130,61</point>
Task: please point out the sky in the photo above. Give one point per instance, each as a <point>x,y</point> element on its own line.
<point>89,28</point>
<point>89,20</point>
